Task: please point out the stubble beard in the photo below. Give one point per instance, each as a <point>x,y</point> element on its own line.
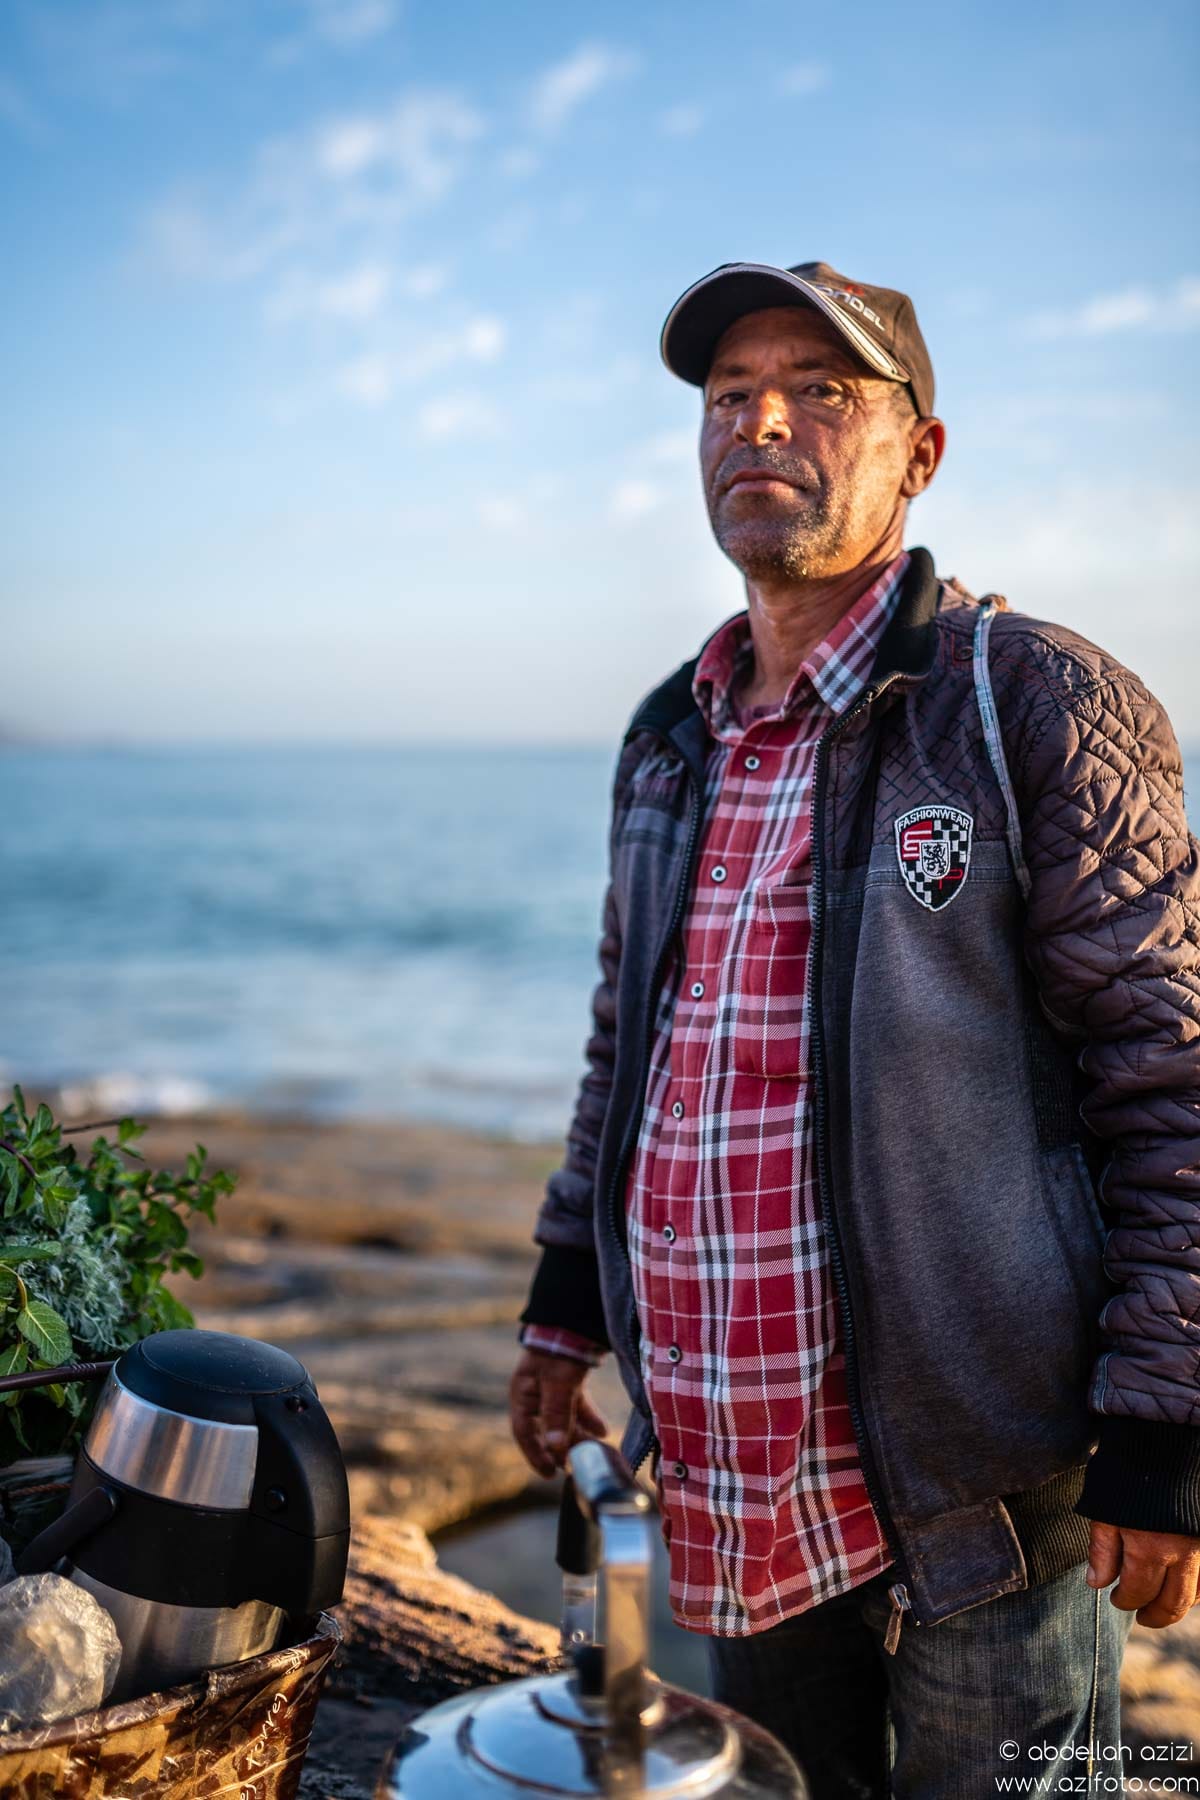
<point>769,546</point>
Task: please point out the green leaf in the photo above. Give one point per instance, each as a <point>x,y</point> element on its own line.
<point>43,1122</point>
<point>53,1209</point>
<point>16,1252</point>
<point>14,1360</point>
<point>129,1129</point>
<point>13,1173</point>
<point>47,1331</point>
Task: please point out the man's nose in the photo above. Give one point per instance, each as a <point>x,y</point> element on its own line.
<point>762,419</point>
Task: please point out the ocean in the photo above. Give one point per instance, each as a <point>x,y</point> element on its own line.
<point>385,932</point>
<point>391,932</point>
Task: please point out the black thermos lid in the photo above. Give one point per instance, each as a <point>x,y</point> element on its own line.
<point>209,1374</point>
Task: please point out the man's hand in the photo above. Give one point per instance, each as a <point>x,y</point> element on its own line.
<point>548,1409</point>
<point>1159,1571</point>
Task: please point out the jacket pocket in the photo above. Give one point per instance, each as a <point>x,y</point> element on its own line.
<point>769,1033</point>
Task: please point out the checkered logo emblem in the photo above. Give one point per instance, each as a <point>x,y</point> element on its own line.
<point>933,845</point>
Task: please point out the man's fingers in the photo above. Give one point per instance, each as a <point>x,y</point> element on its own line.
<point>561,1381</point>
<point>1104,1555</point>
<point>1176,1595</point>
<point>1140,1581</point>
<point>524,1407</point>
<point>556,1423</point>
<point>588,1419</point>
<point>549,1411</point>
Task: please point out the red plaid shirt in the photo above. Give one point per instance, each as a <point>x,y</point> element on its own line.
<point>765,1508</point>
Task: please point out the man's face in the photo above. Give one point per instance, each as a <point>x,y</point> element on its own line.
<point>825,440</point>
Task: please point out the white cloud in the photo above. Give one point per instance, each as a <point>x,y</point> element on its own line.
<point>484,339</point>
<point>371,379</point>
<point>502,512</point>
<point>520,163</point>
<point>424,281</point>
<point>563,87</point>
<point>805,78</point>
<point>343,24</point>
<point>345,183</point>
<point>1172,308</point>
<point>349,146</point>
<point>681,121</point>
<point>349,23</point>
<point>356,296</point>
<point>458,415</point>
<point>632,500</point>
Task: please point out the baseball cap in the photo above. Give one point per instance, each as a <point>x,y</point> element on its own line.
<point>878,323</point>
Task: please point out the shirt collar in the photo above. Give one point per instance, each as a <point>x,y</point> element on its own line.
<point>836,670</point>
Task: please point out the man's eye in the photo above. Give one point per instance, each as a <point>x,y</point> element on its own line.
<point>734,397</point>
<point>824,390</point>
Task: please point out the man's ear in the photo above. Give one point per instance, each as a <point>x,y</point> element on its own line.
<point>926,447</point>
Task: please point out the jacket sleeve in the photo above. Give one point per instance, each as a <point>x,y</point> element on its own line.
<point>1113,938</point>
<point>566,1283</point>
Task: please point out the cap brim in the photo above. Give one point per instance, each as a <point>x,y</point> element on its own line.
<point>700,316</point>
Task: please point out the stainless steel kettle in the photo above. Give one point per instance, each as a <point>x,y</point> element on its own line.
<point>606,1726</point>
<point>209,1505</point>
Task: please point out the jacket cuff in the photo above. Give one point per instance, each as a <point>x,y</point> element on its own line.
<point>566,1293</point>
<point>1145,1476</point>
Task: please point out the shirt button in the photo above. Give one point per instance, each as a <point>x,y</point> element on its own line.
<point>677,1109</point>
<point>752,762</point>
<point>674,1353</point>
<point>679,1470</point>
<point>697,990</point>
<point>720,872</point>
<point>669,1233</point>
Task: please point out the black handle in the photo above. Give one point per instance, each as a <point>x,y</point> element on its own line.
<point>578,1550</point>
<point>80,1520</point>
<point>37,1378</point>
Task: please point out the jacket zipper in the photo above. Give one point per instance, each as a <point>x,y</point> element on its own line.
<point>635,1119</point>
<point>898,1591</point>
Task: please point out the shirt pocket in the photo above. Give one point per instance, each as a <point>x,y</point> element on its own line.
<point>769,1034</point>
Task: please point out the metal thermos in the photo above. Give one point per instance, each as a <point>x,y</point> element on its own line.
<point>209,1505</point>
<point>606,1726</point>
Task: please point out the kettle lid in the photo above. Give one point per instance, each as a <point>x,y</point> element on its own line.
<point>540,1736</point>
<point>208,1374</point>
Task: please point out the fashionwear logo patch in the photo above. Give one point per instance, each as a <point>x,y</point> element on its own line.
<point>933,844</point>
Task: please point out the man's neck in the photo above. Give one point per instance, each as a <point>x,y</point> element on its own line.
<point>789,619</point>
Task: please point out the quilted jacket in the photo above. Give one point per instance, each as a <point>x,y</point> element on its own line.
<point>1006,1086</point>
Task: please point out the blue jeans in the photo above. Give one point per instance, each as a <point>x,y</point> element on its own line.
<point>1014,1687</point>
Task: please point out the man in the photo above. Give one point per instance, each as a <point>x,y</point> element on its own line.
<point>883,1183</point>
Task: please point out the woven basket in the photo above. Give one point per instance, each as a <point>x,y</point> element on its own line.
<point>241,1733</point>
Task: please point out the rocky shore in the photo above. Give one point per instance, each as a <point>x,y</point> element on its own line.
<point>393,1259</point>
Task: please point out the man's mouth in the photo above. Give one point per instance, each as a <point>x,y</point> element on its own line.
<point>759,479</point>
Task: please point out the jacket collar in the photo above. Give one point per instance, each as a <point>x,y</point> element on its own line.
<point>906,648</point>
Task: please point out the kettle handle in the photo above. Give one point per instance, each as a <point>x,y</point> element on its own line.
<point>611,1500</point>
<point>63,1534</point>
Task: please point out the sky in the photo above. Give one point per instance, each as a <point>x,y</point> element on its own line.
<point>329,344</point>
